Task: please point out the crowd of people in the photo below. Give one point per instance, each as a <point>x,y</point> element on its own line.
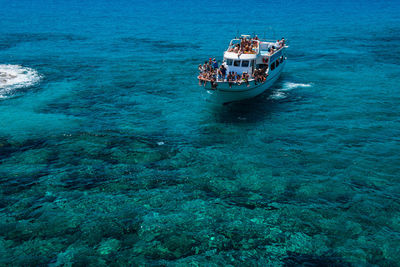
<point>246,46</point>
<point>210,72</point>
<point>233,77</point>
<point>250,45</point>
<point>276,46</point>
<point>260,75</point>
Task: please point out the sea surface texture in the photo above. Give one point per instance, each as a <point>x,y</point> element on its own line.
<point>109,155</point>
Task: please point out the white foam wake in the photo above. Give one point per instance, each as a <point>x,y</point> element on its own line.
<point>287,86</point>
<point>277,95</point>
<point>13,77</point>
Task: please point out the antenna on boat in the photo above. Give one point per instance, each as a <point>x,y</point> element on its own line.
<point>272,31</point>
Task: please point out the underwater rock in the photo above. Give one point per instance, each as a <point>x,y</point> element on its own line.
<point>109,246</point>
<point>299,259</point>
<point>5,251</point>
<point>135,156</point>
<point>299,242</point>
<point>180,245</point>
<point>78,255</point>
<point>32,156</point>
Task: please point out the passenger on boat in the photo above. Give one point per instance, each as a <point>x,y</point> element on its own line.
<point>229,78</point>
<point>245,78</point>
<point>271,50</point>
<point>250,49</point>
<point>256,75</point>
<point>205,66</point>
<point>241,51</point>
<point>260,75</point>
<point>202,72</point>
<point>209,67</point>
<point>264,73</point>
<point>237,48</point>
<point>255,45</point>
<point>200,68</point>
<point>214,84</point>
<point>219,75</point>
<point>237,77</point>
<point>214,64</point>
<point>202,78</point>
<point>209,64</point>
<point>222,72</point>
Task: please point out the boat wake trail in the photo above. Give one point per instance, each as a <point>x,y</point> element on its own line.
<point>287,86</point>
<point>14,77</point>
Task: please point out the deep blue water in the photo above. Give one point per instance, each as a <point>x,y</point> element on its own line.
<point>110,156</point>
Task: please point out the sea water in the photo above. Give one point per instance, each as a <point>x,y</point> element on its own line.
<point>110,156</point>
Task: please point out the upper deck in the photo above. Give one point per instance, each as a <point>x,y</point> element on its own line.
<point>250,48</point>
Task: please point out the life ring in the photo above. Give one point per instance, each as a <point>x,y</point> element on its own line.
<point>265,60</point>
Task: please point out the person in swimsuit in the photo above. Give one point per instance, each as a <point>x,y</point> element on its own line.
<point>229,79</point>
<point>237,78</point>
<point>245,78</point>
<point>223,72</point>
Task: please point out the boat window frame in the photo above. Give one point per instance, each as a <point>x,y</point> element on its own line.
<point>227,61</point>
<point>272,67</point>
<point>234,63</point>
<point>248,63</point>
<point>277,63</point>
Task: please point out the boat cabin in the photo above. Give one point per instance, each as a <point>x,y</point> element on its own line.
<point>239,65</point>
<point>259,54</point>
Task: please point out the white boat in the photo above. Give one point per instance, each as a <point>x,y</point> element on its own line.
<point>267,55</point>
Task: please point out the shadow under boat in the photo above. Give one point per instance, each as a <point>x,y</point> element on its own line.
<point>249,110</point>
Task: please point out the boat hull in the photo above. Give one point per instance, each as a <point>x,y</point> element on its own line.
<point>224,94</point>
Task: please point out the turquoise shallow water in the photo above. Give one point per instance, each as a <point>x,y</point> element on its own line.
<point>109,155</point>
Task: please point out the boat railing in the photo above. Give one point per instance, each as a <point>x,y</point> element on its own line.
<point>268,40</point>
<point>274,52</point>
<point>224,80</point>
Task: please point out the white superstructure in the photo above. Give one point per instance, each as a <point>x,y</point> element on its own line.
<point>268,56</point>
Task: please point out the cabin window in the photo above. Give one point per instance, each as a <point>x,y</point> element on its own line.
<point>277,63</point>
<point>229,62</point>
<point>245,63</point>
<point>236,63</point>
<point>273,66</point>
